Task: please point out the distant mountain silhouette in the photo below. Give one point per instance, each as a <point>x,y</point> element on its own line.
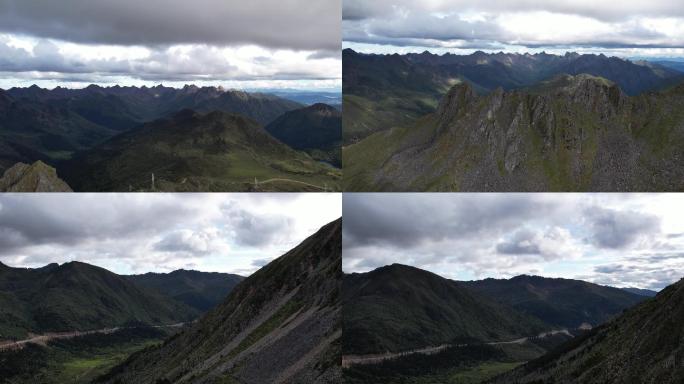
<point>559,302</point>
<point>199,290</point>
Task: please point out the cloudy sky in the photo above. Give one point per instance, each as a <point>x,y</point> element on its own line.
<point>628,28</point>
<point>240,44</point>
<point>137,233</point>
<point>613,239</point>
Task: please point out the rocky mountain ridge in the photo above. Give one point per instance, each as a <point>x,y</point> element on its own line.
<point>571,133</point>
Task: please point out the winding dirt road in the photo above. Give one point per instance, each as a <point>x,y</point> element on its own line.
<point>6,345</point>
<point>349,360</point>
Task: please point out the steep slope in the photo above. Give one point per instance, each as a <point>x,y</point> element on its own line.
<point>398,308</point>
<point>199,290</point>
<point>279,325</point>
<point>77,296</point>
<point>316,129</point>
<point>558,302</point>
<point>195,152</point>
<point>644,345</point>
<point>37,177</point>
<point>571,133</point>
<point>384,91</point>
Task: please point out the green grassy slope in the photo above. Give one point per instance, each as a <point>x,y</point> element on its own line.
<point>195,152</point>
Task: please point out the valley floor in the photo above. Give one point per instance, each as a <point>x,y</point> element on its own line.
<point>73,358</point>
<point>450,363</point>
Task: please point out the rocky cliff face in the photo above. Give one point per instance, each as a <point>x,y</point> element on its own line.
<point>280,325</point>
<point>644,345</point>
<point>571,133</point>
<point>38,177</point>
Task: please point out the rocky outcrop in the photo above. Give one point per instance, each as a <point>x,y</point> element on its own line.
<point>38,177</point>
<point>571,133</point>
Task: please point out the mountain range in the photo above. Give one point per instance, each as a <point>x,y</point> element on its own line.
<point>77,296</point>
<point>56,126</point>
<point>643,345</point>
<point>569,133</point>
<point>561,303</point>
<point>279,325</point>
<point>404,324</point>
<point>398,308</point>
<point>383,91</point>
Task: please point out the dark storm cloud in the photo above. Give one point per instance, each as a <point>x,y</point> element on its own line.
<point>410,219</point>
<point>200,63</point>
<point>26,221</point>
<point>479,24</point>
<point>618,229</point>
<point>290,24</point>
<point>606,11</point>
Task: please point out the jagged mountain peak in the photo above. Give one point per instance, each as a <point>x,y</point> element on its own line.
<point>455,101</point>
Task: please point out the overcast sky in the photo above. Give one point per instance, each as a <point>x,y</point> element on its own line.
<point>626,28</point>
<point>137,233</point>
<point>613,239</point>
<point>242,44</point>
